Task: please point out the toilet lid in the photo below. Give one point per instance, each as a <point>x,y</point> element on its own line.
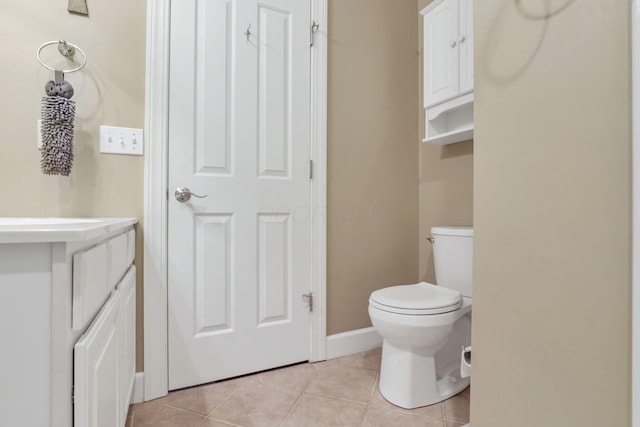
<point>421,298</point>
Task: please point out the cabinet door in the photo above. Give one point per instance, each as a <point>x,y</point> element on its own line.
<point>127,290</point>
<point>441,62</point>
<point>465,41</point>
<point>97,373</point>
<point>118,258</point>
<point>91,286</point>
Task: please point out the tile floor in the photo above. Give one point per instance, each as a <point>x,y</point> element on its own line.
<point>338,392</point>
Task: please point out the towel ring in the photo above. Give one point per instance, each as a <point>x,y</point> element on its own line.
<point>66,49</point>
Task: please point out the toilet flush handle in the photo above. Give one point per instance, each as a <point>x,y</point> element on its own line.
<point>431,239</point>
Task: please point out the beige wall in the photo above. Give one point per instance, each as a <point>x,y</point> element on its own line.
<point>551,309</point>
<point>446,194</point>
<point>110,90</point>
<point>446,182</point>
<point>372,154</point>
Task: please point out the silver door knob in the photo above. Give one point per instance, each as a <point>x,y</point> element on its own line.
<point>183,194</point>
<point>453,43</point>
<point>462,39</point>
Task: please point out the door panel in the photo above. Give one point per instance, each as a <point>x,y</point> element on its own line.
<point>214,79</point>
<point>213,286</point>
<point>274,264</point>
<point>239,133</point>
<point>274,77</point>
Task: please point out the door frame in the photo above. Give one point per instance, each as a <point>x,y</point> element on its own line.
<point>156,193</point>
<point>635,213</point>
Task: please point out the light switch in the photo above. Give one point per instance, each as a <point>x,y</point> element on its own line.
<point>117,140</point>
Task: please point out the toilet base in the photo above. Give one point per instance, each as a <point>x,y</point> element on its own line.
<point>409,378</point>
<point>421,355</point>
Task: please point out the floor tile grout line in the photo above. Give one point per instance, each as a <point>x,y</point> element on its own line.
<point>366,414</point>
<point>238,389</point>
<point>291,409</point>
<point>184,410</point>
<point>228,423</point>
<point>315,375</point>
<point>393,409</point>
<point>223,401</point>
<point>411,414</point>
<point>427,417</point>
<point>336,398</point>
<point>400,410</point>
<point>373,388</point>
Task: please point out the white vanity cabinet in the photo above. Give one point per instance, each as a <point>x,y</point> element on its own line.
<point>67,321</point>
<point>448,70</point>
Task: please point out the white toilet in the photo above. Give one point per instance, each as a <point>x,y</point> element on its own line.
<point>425,326</point>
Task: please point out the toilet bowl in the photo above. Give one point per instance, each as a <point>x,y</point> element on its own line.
<point>424,326</point>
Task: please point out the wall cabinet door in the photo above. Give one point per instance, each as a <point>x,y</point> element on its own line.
<point>441,62</point>
<point>465,41</point>
<point>97,370</point>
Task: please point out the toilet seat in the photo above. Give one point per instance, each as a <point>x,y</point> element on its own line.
<point>420,299</point>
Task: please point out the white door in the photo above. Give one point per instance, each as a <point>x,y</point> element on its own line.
<point>441,61</point>
<point>239,259</point>
<point>465,40</point>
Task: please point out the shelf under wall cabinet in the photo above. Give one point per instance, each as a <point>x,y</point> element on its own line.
<point>450,122</point>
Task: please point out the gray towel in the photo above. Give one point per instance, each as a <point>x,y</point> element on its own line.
<point>58,114</point>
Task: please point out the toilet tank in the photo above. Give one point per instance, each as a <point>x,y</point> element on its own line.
<point>453,258</point>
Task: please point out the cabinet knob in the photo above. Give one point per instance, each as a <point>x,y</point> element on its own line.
<point>462,39</point>
<point>453,43</point>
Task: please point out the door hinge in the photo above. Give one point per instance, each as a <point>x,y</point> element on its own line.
<point>314,29</point>
<point>309,297</point>
<point>310,169</point>
<point>73,393</point>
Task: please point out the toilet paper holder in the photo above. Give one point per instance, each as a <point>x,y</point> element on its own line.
<point>465,362</point>
<point>466,355</point>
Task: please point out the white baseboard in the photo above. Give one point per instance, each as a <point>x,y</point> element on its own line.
<point>138,388</point>
<point>352,342</point>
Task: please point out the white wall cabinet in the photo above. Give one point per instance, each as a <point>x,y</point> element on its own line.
<point>67,322</point>
<point>448,70</point>
<point>441,53</point>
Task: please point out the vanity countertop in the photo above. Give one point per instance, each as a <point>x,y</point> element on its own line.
<point>44,230</point>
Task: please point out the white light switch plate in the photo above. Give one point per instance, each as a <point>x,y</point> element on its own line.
<point>118,140</point>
